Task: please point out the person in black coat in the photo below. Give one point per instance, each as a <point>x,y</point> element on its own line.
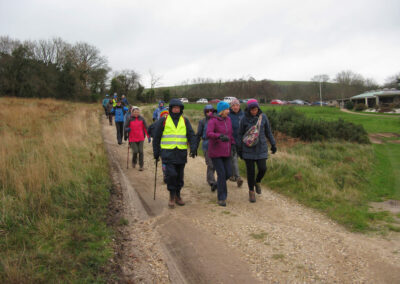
<point>258,153</point>
<point>174,159</point>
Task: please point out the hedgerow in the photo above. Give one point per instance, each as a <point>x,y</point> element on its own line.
<point>298,125</point>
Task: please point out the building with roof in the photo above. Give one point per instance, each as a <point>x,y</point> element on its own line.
<point>378,97</point>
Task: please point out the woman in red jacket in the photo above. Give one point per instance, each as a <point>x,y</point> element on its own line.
<point>137,128</point>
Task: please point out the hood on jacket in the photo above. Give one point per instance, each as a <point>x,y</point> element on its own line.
<point>161,102</point>
<point>175,102</point>
<point>208,107</point>
<point>248,114</point>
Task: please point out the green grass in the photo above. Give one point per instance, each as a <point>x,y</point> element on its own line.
<point>385,176</point>
<point>372,124</point>
<point>259,236</point>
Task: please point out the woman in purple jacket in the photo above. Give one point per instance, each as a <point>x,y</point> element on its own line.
<point>219,133</point>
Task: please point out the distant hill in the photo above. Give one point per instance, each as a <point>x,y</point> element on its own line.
<point>264,90</point>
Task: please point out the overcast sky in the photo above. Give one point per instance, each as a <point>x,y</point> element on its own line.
<point>180,40</point>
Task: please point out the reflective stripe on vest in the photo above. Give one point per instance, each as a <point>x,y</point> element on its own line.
<point>174,137</point>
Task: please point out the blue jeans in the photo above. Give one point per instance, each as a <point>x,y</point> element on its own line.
<point>223,167</point>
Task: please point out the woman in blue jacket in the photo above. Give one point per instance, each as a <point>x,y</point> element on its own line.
<point>119,111</point>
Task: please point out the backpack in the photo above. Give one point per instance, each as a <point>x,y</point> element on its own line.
<point>251,137</point>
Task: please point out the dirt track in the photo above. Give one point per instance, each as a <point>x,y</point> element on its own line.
<point>273,240</point>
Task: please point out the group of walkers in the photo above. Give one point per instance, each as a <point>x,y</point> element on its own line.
<point>227,133</point>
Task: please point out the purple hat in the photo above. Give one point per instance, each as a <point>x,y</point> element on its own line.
<point>252,103</point>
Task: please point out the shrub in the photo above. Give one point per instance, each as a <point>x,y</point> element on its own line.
<point>360,107</point>
<point>297,125</point>
<point>349,105</point>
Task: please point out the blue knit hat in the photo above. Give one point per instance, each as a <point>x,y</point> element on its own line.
<point>222,106</point>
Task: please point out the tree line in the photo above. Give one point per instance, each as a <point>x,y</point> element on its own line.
<point>344,85</point>
<point>58,69</point>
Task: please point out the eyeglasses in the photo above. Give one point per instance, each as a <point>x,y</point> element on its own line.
<point>209,110</point>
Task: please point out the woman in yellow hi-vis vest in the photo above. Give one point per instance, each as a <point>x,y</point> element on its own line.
<point>173,135</point>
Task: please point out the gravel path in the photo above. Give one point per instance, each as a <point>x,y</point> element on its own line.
<point>273,240</point>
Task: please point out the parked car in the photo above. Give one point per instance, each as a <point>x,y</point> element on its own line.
<point>319,103</point>
<point>244,101</point>
<point>184,100</point>
<point>277,102</point>
<point>229,99</point>
<point>297,102</point>
<point>214,101</point>
<point>202,101</point>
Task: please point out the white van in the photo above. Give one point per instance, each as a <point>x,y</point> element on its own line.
<point>229,99</point>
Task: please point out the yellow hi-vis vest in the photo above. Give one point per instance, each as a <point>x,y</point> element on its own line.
<point>174,137</point>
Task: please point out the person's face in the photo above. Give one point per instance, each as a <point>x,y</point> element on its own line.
<point>176,109</point>
<point>254,111</point>
<point>136,113</point>
<point>225,113</point>
<point>235,108</point>
<point>209,112</point>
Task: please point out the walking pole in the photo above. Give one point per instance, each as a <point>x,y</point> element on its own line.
<point>155,180</point>
<point>127,158</point>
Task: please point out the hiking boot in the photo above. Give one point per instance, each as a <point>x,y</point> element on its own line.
<point>252,196</point>
<point>222,203</point>
<point>258,188</point>
<point>239,182</point>
<point>214,187</point>
<point>141,169</point>
<point>171,203</point>
<point>179,201</point>
<point>232,178</point>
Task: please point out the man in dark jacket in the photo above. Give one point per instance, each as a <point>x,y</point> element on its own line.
<point>236,114</point>
<point>258,153</point>
<point>172,135</point>
<point>201,134</point>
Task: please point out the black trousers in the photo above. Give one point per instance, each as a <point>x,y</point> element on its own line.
<point>120,130</point>
<point>251,171</point>
<point>174,177</point>
<point>223,167</point>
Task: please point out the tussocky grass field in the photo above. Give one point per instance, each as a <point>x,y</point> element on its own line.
<point>337,178</point>
<point>54,193</point>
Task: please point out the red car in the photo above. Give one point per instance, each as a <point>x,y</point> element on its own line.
<point>277,102</point>
<point>214,101</point>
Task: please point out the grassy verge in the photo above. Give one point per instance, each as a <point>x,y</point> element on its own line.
<point>372,124</point>
<point>54,193</point>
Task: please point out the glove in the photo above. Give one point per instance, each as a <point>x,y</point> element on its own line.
<point>128,129</point>
<point>149,139</point>
<point>125,137</point>
<point>193,154</point>
<point>157,158</point>
<point>234,149</point>
<point>273,149</point>
<point>223,138</point>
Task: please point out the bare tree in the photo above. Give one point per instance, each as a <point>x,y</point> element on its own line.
<point>7,44</point>
<point>154,79</point>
